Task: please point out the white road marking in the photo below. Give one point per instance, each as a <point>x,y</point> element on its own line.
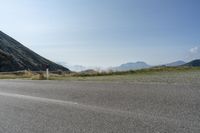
<point>93,108</point>
<point>69,103</point>
<point>37,98</point>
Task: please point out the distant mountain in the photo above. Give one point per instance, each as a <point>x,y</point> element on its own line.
<point>194,63</point>
<point>14,57</point>
<point>177,63</point>
<point>77,68</point>
<point>131,66</point>
<point>89,71</point>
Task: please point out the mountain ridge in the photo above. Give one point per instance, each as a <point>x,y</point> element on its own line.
<point>131,66</point>
<point>193,63</point>
<point>14,56</point>
<point>176,63</point>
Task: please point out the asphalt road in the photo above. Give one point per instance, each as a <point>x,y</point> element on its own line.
<point>98,107</point>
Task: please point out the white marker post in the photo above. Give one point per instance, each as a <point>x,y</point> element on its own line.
<point>47,71</point>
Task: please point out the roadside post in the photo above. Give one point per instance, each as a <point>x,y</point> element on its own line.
<point>47,71</point>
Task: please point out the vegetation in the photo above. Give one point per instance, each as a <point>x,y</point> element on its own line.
<point>22,75</point>
<point>156,74</point>
<point>141,71</point>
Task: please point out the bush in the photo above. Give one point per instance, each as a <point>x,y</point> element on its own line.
<point>39,76</point>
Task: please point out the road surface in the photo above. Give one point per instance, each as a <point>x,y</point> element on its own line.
<point>98,107</point>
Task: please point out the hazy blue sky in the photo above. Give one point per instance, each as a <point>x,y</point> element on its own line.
<point>105,32</point>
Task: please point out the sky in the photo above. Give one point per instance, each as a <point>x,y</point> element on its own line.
<point>105,32</point>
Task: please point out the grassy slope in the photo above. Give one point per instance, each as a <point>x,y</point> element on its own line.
<point>164,75</point>
<point>159,74</point>
<point>14,57</point>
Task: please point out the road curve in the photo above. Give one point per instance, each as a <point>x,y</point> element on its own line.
<point>98,107</point>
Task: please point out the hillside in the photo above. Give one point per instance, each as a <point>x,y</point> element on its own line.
<point>194,63</point>
<point>176,63</point>
<point>14,57</point>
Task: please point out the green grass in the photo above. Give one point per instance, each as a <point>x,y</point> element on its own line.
<point>156,74</point>
<point>142,71</point>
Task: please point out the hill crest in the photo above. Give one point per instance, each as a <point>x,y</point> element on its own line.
<point>194,63</point>
<point>15,57</point>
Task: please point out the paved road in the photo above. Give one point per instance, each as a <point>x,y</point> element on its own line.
<point>98,107</point>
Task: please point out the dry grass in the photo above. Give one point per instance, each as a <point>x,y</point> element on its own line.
<point>23,75</point>
<point>156,74</point>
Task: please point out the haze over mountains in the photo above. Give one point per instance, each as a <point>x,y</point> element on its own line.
<point>14,57</point>
<point>131,66</point>
<point>134,66</point>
